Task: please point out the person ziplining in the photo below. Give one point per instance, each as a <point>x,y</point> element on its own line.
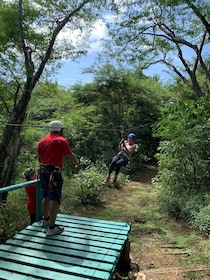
<point>126,149</point>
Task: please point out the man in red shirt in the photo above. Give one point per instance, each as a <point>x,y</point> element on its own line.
<point>51,151</point>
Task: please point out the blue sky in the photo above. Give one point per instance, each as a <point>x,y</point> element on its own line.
<point>71,72</point>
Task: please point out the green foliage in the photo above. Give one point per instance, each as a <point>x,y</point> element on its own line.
<point>13,215</point>
<point>85,189</point>
<point>8,22</point>
<point>123,101</point>
<point>202,219</point>
<point>184,157</point>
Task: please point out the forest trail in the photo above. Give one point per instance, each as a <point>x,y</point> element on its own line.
<point>160,256</point>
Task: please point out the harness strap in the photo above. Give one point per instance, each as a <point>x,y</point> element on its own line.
<point>50,169</point>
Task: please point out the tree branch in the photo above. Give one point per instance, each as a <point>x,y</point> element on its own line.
<point>199,15</point>
<point>29,65</point>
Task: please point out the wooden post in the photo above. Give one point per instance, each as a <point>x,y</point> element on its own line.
<point>124,260</point>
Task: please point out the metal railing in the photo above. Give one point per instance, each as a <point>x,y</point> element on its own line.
<point>38,194</point>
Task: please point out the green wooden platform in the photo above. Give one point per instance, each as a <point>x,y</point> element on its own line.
<point>87,249</point>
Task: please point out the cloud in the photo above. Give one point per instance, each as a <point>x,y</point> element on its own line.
<point>99,30</point>
<point>75,37</point>
<point>95,47</point>
<point>98,33</point>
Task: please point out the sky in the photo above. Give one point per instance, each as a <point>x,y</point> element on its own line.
<point>71,72</point>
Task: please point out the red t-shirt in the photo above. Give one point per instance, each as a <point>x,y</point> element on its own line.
<point>52,149</point>
<point>31,201</point>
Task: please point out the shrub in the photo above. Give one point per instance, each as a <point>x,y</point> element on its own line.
<point>85,189</point>
<point>14,214</point>
<point>184,157</point>
<point>202,219</point>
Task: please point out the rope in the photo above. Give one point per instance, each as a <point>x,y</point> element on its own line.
<point>79,128</point>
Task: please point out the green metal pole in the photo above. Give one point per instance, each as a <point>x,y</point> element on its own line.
<point>38,201</point>
<point>17,186</point>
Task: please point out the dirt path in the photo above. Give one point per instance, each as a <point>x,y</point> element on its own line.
<point>160,248</point>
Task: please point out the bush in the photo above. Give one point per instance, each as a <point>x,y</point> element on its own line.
<point>13,215</point>
<point>85,189</point>
<point>202,219</point>
<point>184,156</point>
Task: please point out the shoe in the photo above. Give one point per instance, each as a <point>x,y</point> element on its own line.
<point>114,179</point>
<point>45,223</point>
<point>55,230</point>
<point>107,179</point>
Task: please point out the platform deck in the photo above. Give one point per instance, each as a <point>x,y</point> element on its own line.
<point>87,249</point>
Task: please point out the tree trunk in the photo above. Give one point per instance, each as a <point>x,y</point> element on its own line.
<point>10,162</point>
<point>10,142</point>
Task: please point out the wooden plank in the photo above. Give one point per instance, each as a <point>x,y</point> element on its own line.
<point>55,266</point>
<point>89,235</point>
<point>13,275</point>
<point>67,238</point>
<point>92,220</point>
<point>63,250</point>
<point>96,224</point>
<point>59,258</point>
<point>25,272</point>
<point>97,231</point>
<point>67,245</point>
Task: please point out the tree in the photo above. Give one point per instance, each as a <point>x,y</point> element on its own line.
<point>32,40</point>
<point>151,32</point>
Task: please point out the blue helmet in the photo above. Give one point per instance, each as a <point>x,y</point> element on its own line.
<point>132,135</point>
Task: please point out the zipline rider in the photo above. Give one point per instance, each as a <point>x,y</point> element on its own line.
<point>125,149</point>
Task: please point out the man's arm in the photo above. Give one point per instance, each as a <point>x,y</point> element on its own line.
<point>73,159</point>
<point>121,145</point>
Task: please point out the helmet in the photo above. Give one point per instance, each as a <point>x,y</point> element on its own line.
<point>132,135</point>
<point>55,126</point>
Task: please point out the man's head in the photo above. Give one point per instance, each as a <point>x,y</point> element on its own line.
<point>55,126</point>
